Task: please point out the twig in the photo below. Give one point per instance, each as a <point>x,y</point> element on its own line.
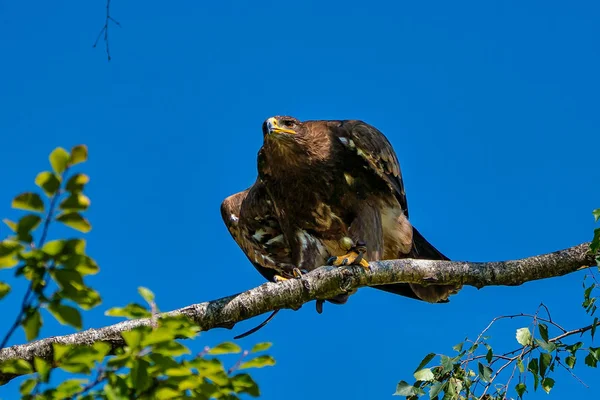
<point>572,373</point>
<point>100,377</point>
<point>238,363</point>
<point>104,30</point>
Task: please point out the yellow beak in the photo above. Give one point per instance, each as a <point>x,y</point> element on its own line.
<point>274,127</point>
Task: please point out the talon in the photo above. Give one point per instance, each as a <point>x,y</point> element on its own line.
<point>279,278</point>
<point>297,273</point>
<point>355,256</point>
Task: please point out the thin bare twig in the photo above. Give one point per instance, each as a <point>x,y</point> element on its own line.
<point>104,31</point>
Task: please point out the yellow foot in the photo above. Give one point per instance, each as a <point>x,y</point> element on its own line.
<point>295,272</point>
<point>355,256</point>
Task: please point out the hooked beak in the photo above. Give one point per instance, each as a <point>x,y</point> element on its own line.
<point>274,127</point>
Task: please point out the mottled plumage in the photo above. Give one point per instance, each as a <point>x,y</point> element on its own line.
<point>322,187</point>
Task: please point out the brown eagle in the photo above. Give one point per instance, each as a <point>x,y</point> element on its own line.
<point>327,192</point>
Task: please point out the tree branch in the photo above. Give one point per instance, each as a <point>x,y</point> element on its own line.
<point>324,283</point>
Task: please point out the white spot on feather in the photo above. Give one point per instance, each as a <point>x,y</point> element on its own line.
<point>234,218</point>
<point>347,142</point>
<point>276,239</point>
<point>258,235</point>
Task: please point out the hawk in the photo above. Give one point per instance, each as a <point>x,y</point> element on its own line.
<point>327,192</point>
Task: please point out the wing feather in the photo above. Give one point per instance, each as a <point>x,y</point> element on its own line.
<point>251,221</point>
<point>370,144</point>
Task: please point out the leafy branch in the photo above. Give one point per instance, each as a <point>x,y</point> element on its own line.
<point>537,357</point>
<point>149,363</point>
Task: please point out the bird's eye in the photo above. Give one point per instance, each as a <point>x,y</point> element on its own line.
<point>288,123</point>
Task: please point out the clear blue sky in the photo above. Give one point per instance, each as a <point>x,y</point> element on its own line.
<point>492,108</point>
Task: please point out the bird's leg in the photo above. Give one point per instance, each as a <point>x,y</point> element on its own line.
<point>355,254</point>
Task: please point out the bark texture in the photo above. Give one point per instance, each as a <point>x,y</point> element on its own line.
<point>324,283</point>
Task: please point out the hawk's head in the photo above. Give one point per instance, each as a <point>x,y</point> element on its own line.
<point>290,143</point>
<point>282,128</point>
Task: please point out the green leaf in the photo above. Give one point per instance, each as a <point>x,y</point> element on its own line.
<point>133,338</point>
<point>131,311</point>
<point>75,221</point>
<point>54,247</point>
<point>548,346</point>
<point>596,214</point>
<point>243,383</point>
<point>591,360</point>
<point>258,362</point>
<point>574,347</point>
<point>261,347</point>
<point>59,159</point>
<point>7,254</point>
<point>524,336</point>
<point>83,264</point>
<point>173,349</point>
<point>436,388</point>
<point>28,201</point>
<point>543,328</point>
<point>77,182</point>
<point>547,384</point>
<point>404,389</point>
<point>146,294</point>
<point>520,389</point>
<point>485,372</point>
<point>32,324</point>
<point>25,225</point>
<point>27,386</point>
<point>447,364</point>
<point>490,353</point>
<point>4,290</point>
<point>424,375</point>
<point>138,375</point>
<point>70,387</point>
<point>48,182</point>
<point>164,393</point>
<point>425,361</point>
<point>11,225</point>
<point>42,368</point>
<point>60,350</point>
<point>533,366</point>
<point>79,154</point>
<point>595,245</point>
<point>73,288</point>
<point>570,360</point>
<point>520,365</point>
<point>225,348</point>
<point>9,247</point>
<point>66,315</point>
<point>180,370</point>
<point>75,202</point>
<point>594,327</point>
<point>545,360</point>
<point>16,366</point>
<point>458,347</point>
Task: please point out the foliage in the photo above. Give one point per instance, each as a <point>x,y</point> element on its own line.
<point>476,371</point>
<point>153,364</point>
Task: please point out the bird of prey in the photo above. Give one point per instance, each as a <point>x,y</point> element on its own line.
<point>327,192</point>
